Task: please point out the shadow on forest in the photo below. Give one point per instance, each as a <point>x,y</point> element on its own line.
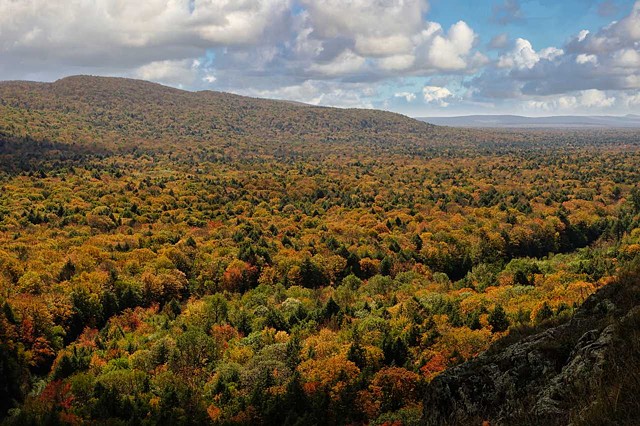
<point>18,154</point>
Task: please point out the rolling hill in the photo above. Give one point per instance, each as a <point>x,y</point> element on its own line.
<point>83,109</point>
<point>174,257</point>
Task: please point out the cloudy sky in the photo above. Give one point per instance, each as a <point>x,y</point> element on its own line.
<point>417,57</point>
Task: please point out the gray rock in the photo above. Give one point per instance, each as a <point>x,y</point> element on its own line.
<point>540,379</point>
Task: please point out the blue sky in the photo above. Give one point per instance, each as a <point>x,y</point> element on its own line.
<point>544,23</point>
<point>417,57</point>
<point>480,17</point>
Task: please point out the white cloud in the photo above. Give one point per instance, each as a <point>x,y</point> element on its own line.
<point>391,32</point>
<point>366,22</point>
<point>631,100</point>
<point>43,39</point>
<point>397,62</point>
<point>607,59</point>
<point>232,22</point>
<point>331,52</point>
<point>448,52</point>
<point>582,101</point>
<point>627,58</point>
<point>631,81</point>
<point>347,62</point>
<point>436,94</point>
<point>586,59</point>
<point>315,92</point>
<point>283,39</point>
<point>408,96</point>
<point>396,44</point>
<point>39,25</point>
<point>305,45</point>
<point>629,27</point>
<point>613,37</point>
<point>524,56</point>
<point>178,73</point>
<point>582,35</point>
<point>595,99</point>
<point>550,53</point>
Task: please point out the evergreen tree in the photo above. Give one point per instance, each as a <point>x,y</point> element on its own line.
<point>498,319</point>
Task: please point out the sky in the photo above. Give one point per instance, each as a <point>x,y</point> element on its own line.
<point>415,57</point>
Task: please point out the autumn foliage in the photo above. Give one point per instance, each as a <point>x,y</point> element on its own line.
<point>173,258</point>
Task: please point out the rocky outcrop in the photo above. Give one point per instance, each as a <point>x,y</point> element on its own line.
<point>554,377</point>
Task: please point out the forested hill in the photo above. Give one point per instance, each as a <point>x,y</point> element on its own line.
<point>84,108</point>
<point>169,257</point>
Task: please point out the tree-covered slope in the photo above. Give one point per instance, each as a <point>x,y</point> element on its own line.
<point>87,108</point>
<point>181,258</point>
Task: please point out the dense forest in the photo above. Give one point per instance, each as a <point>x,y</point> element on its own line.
<point>170,257</point>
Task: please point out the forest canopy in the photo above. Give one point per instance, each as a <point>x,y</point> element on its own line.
<point>177,258</point>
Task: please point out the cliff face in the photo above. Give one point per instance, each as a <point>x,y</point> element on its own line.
<point>585,371</point>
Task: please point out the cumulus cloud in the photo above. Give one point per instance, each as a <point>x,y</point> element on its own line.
<point>392,34</point>
<point>631,100</point>
<point>44,39</point>
<point>397,62</point>
<point>595,98</point>
<point>436,94</point>
<point>583,75</point>
<point>629,27</point>
<point>331,52</point>
<point>586,59</point>
<point>450,51</point>
<point>607,59</point>
<point>524,56</point>
<point>319,92</point>
<point>96,27</point>
<point>289,41</point>
<point>347,62</point>
<point>626,58</point>
<point>587,99</point>
<point>377,28</point>
<point>396,44</point>
<point>550,53</point>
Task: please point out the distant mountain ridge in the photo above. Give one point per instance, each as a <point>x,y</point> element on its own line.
<point>516,121</point>
<point>105,109</point>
